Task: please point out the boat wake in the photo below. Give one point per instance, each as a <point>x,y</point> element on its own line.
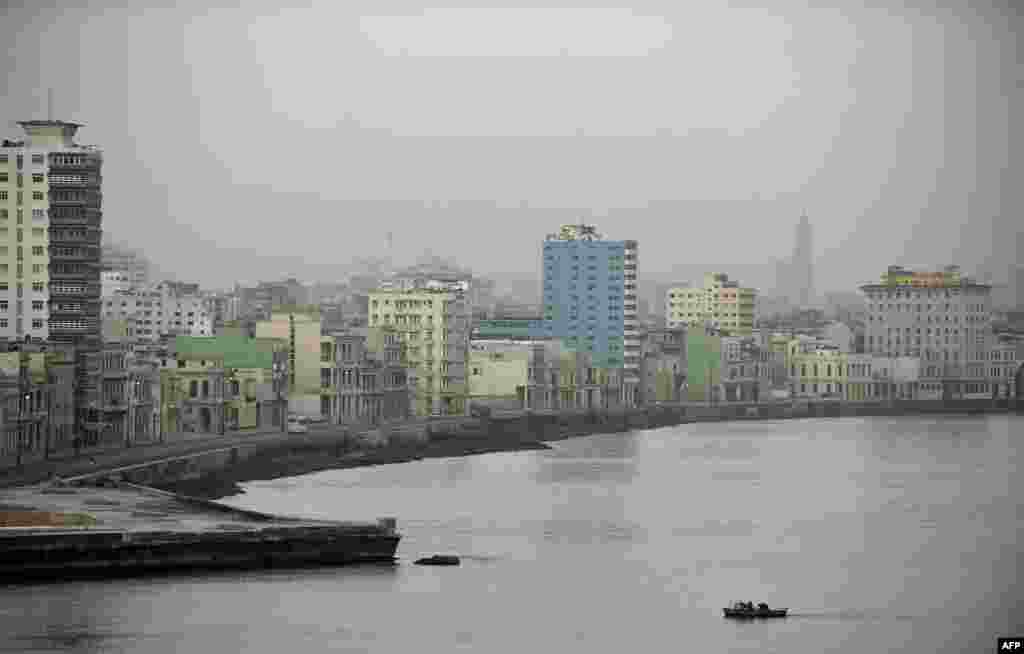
<point>867,616</point>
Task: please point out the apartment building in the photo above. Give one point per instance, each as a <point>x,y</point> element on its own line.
<point>590,300</point>
<point>163,310</point>
<point>50,225</point>
<point>941,318</point>
<point>664,366</point>
<point>433,325</point>
<point>363,378</point>
<point>224,383</point>
<point>299,328</point>
<point>720,301</point>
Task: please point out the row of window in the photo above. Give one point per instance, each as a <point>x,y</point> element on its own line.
<point>37,269</point>
<point>37,305</point>
<point>37,251</point>
<point>36,195</point>
<point>37,158</point>
<point>36,324</point>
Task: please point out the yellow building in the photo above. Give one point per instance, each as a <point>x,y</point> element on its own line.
<point>434,327</point>
<point>498,373</point>
<point>224,383</point>
<point>817,369</point>
<point>299,328</point>
<point>720,301</point>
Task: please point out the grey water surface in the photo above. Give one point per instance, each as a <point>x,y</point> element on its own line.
<point>880,534</point>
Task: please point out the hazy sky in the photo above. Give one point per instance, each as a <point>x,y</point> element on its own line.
<point>254,142</point>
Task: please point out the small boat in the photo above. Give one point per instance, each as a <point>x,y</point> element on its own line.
<point>438,559</point>
<point>747,610</point>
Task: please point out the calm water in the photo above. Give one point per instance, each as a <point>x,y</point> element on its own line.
<point>880,534</point>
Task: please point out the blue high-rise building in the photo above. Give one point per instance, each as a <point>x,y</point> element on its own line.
<point>590,295</point>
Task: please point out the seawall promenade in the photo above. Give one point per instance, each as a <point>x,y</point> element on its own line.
<point>508,432</point>
<point>211,467</point>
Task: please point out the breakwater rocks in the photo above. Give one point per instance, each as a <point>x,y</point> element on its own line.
<point>523,431</point>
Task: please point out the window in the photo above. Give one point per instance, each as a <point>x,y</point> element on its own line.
<point>37,178</point>
<point>38,159</point>
<point>3,196</point>
<point>193,388</point>
<point>37,305</point>
<point>3,177</point>
<point>37,268</point>
<point>3,305</point>
<point>3,323</point>
<point>37,195</point>
<point>38,214</point>
<point>37,250</point>
<point>37,324</point>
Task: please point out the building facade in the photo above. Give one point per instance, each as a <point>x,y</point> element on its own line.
<point>50,232</point>
<point>299,328</point>
<point>225,383</point>
<point>941,318</point>
<point>433,325</point>
<point>664,366</point>
<point>720,301</point>
<point>363,377</point>
<point>158,312</point>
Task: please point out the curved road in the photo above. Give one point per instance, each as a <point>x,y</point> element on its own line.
<point>180,444</point>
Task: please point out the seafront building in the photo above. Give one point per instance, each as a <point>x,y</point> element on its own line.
<point>363,378</point>
<point>299,328</point>
<point>664,367</point>
<point>943,319</point>
<point>720,301</point>
<point>703,365</point>
<point>590,301</point>
<point>50,225</point>
<point>433,324</point>
<point>217,384</point>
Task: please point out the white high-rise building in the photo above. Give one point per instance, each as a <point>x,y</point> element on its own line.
<point>50,227</point>
<point>941,318</point>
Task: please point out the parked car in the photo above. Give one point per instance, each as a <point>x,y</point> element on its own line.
<point>297,426</point>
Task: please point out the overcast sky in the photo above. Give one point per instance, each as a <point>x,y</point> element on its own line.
<point>254,142</point>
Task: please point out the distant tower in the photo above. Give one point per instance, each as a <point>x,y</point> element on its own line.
<point>1017,279</point>
<point>802,269</point>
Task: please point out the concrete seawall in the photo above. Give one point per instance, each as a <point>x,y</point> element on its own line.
<point>137,530</point>
<point>214,473</point>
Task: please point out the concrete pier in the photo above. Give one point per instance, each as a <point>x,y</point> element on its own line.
<point>132,530</point>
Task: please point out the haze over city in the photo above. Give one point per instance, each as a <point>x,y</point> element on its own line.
<point>247,142</point>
